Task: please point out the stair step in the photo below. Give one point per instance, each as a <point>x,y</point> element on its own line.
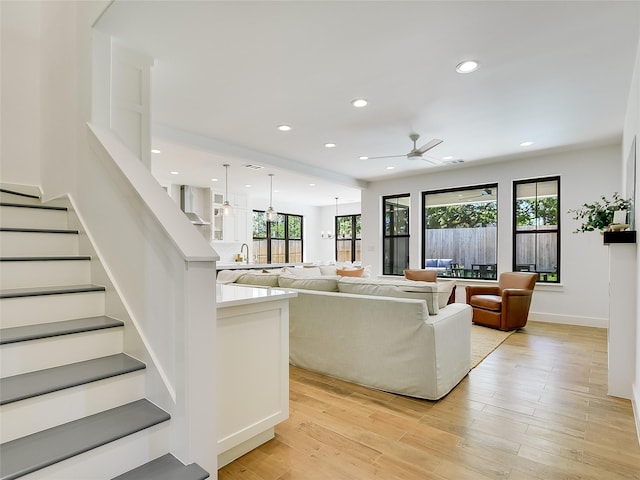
<point>31,453</point>
<point>66,231</point>
<point>19,194</point>
<point>44,271</point>
<point>55,329</point>
<point>166,467</point>
<point>27,205</point>
<point>41,382</point>
<point>33,215</point>
<point>51,258</point>
<point>57,290</point>
<point>38,242</point>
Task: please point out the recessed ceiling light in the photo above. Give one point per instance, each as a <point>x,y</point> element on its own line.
<point>312,184</point>
<point>174,173</point>
<point>364,158</point>
<point>390,167</point>
<point>448,157</point>
<point>526,144</point>
<point>329,145</point>
<point>248,185</point>
<point>284,128</point>
<point>359,102</point>
<point>214,179</point>
<point>155,150</point>
<point>467,66</point>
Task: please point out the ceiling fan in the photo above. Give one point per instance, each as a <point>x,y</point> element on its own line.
<point>416,153</point>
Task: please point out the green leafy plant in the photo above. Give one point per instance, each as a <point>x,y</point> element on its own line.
<point>599,214</point>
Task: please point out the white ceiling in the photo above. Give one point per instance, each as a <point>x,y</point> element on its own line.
<point>226,74</point>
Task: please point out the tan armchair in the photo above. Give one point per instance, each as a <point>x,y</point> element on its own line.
<point>505,306</point>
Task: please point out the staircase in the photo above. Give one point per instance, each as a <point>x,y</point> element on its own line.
<point>72,403</point>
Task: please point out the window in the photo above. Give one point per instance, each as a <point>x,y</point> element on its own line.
<point>279,241</point>
<point>536,236</point>
<point>348,240</point>
<point>460,231</point>
<point>395,245</point>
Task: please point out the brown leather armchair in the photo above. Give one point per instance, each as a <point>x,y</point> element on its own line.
<point>505,306</point>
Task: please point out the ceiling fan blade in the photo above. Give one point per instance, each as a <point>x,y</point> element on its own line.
<point>388,156</point>
<point>429,145</point>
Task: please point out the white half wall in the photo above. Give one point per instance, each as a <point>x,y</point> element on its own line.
<point>585,175</point>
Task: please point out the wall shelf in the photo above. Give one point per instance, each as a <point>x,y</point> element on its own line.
<point>628,236</point>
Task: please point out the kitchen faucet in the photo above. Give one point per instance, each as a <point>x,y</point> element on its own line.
<point>246,259</point>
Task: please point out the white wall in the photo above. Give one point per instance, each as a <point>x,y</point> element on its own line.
<point>20,92</point>
<point>631,131</point>
<point>585,175</point>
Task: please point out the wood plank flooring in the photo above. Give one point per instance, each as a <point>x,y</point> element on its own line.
<point>536,408</point>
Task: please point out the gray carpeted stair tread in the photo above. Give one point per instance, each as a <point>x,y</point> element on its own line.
<point>166,467</point>
<point>41,382</point>
<point>63,231</point>
<point>56,290</point>
<point>27,205</point>
<point>42,449</point>
<point>54,329</point>
<point>64,258</point>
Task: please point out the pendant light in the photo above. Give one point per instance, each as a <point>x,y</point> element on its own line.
<point>271,213</point>
<point>226,206</point>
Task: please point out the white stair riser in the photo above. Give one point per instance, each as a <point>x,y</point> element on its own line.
<point>35,273</point>
<point>16,312</point>
<point>110,460</point>
<point>23,357</point>
<point>11,198</point>
<point>29,244</point>
<point>19,217</point>
<point>45,411</point>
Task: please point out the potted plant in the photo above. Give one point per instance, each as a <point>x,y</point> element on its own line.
<point>599,214</point>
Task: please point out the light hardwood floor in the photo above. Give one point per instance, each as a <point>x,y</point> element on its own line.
<point>536,408</point>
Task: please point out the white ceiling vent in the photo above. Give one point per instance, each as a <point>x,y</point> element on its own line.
<point>253,167</point>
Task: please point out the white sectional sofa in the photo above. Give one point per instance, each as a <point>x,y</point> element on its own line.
<point>399,336</point>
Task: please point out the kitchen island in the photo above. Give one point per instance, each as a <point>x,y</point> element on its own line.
<point>253,366</point>
<point>253,266</point>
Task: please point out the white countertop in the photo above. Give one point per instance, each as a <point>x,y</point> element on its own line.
<point>234,295</point>
<point>242,265</point>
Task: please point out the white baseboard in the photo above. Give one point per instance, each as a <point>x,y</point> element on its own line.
<point>635,403</point>
<point>569,319</point>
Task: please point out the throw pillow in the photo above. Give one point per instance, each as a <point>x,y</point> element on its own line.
<point>303,272</point>
<point>421,275</point>
<point>350,272</point>
<point>444,291</point>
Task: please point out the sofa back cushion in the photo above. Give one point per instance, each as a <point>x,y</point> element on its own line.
<point>392,288</point>
<point>444,287</point>
<point>325,283</point>
<point>259,278</point>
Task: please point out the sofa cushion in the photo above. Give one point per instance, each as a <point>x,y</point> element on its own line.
<point>303,272</point>
<point>325,283</point>
<point>392,288</point>
<point>488,302</point>
<point>259,278</point>
<point>350,272</point>
<point>422,275</point>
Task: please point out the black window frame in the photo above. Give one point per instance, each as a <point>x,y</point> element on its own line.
<point>355,237</point>
<point>390,268</point>
<point>543,277</point>
<point>476,271</point>
<point>269,238</point>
